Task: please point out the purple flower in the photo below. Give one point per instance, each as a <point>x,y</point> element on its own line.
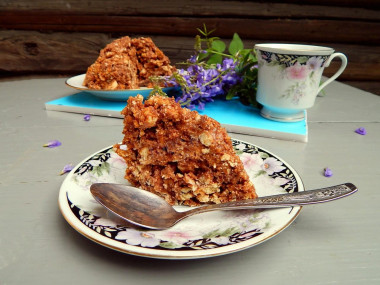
<point>327,172</point>
<point>201,105</point>
<point>87,117</point>
<point>193,59</point>
<point>53,143</point>
<point>361,131</point>
<point>315,62</point>
<point>200,84</point>
<point>230,79</point>
<point>215,90</point>
<point>228,63</point>
<point>66,169</point>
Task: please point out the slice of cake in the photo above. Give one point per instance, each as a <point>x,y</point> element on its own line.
<point>180,155</point>
<point>127,64</point>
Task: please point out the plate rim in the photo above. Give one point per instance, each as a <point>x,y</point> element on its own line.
<point>74,222</point>
<point>84,88</point>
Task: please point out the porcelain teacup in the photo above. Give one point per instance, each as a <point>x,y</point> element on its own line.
<point>289,77</point>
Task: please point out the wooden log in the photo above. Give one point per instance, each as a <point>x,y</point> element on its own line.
<point>36,52</point>
<point>283,9</point>
<point>71,32</point>
<point>372,4</point>
<point>369,86</point>
<point>250,28</point>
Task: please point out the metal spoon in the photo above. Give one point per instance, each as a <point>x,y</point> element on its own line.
<point>148,210</point>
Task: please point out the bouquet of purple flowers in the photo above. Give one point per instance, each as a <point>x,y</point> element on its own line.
<point>212,73</point>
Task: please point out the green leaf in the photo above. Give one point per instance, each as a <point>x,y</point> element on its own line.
<point>214,59</point>
<point>202,32</point>
<point>229,232</point>
<point>252,57</point>
<point>274,63</point>
<point>261,172</point>
<point>107,166</point>
<point>235,45</point>
<point>230,95</point>
<point>212,234</point>
<point>264,155</point>
<point>202,56</point>
<point>98,170</point>
<point>239,152</point>
<point>218,45</point>
<point>169,245</point>
<point>245,54</point>
<point>302,59</point>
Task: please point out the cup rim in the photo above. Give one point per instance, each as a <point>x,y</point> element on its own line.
<point>296,49</point>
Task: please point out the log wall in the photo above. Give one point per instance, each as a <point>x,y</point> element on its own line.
<point>64,37</point>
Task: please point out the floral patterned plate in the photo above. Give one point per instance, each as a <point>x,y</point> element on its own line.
<point>204,235</point>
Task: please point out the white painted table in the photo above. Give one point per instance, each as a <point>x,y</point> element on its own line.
<point>333,243</point>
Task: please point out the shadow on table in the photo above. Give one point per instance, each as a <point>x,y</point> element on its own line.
<point>121,260</point>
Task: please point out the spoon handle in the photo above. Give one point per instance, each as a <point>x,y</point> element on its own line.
<point>285,200</point>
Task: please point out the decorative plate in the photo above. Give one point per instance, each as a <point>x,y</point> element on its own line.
<point>76,82</point>
<point>204,235</point>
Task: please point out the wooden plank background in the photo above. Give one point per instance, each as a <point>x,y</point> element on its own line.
<point>65,37</point>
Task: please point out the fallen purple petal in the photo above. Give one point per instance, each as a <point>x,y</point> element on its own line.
<point>66,169</point>
<point>87,117</point>
<point>53,143</point>
<point>328,172</point>
<point>361,131</point>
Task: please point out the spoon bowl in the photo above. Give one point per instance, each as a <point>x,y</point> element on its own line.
<point>148,210</point>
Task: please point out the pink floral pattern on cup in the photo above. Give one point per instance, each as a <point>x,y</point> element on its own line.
<point>296,69</point>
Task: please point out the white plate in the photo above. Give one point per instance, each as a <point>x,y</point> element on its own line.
<point>200,236</point>
<point>76,82</point>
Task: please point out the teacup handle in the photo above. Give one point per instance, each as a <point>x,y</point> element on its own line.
<point>339,72</point>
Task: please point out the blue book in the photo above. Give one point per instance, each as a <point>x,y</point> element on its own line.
<point>233,115</point>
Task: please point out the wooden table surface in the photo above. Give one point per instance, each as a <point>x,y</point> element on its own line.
<point>333,243</point>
